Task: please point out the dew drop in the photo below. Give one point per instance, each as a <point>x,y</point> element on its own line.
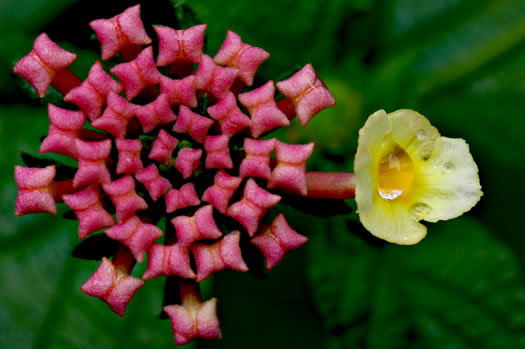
<point>448,167</point>
<point>419,211</point>
<point>390,194</point>
<point>420,134</point>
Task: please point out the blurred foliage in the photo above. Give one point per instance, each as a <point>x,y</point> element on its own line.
<point>461,63</point>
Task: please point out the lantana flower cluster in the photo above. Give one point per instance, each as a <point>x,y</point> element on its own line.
<point>183,145</point>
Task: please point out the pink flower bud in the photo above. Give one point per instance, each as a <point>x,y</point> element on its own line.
<point>228,114</point>
<point>89,211</point>
<point>91,95</point>
<point>180,46</point>
<point>92,157</point>
<point>64,129</point>
<point>253,206</point>
<point>217,152</point>
<point>213,78</point>
<point>123,195</point>
<point>116,116</point>
<point>136,235</point>
<point>168,260</point>
<point>155,113</point>
<point>44,64</point>
<point>179,91</point>
<point>184,197</point>
<point>220,193</point>
<point>113,286</point>
<point>138,74</point>
<point>276,240</point>
<point>163,147</point>
<point>307,92</point>
<point>257,160</point>
<point>153,181</point>
<point>35,190</point>
<point>222,255</point>
<point>197,227</point>
<point>236,54</point>
<point>120,32</point>
<point>188,160</point>
<point>263,109</point>
<point>289,174</point>
<point>193,319</point>
<point>129,156</point>
<point>193,124</point>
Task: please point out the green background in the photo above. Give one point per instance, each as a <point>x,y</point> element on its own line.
<point>461,63</point>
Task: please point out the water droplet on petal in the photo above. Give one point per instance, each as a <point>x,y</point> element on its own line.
<point>448,167</point>
<point>419,211</point>
<point>390,194</point>
<point>420,134</point>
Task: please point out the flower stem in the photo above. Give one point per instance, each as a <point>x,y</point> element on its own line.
<point>124,260</point>
<point>65,81</point>
<point>330,185</point>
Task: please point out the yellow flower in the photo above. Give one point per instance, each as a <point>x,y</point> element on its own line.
<point>406,172</point>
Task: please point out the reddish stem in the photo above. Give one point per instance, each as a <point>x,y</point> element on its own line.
<point>65,80</point>
<point>61,188</point>
<point>130,52</point>
<point>330,185</point>
<point>189,294</point>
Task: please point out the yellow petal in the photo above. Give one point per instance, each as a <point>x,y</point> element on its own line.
<point>368,153</point>
<point>448,182</point>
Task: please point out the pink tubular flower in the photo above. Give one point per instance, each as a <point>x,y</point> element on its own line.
<point>91,95</point>
<point>187,161</point>
<point>213,78</point>
<point>113,286</point>
<point>290,172</point>
<point>64,130</point>
<point>220,193</point>
<point>182,198</point>
<point>222,255</point>
<point>200,226</point>
<point>253,206</point>
<point>257,160</point>
<point>155,113</point>
<point>92,157</point>
<point>307,93</point>
<point>263,109</point>
<point>193,124</point>
<point>46,65</point>
<point>35,190</point>
<point>122,33</point>
<point>168,260</point>
<point>123,195</point>
<point>276,240</point>
<point>193,319</point>
<point>179,91</point>
<point>129,156</point>
<point>206,181</point>
<point>163,147</point>
<point>153,181</point>
<point>138,74</point>
<point>218,152</point>
<point>228,114</point>
<point>89,211</point>
<point>116,116</point>
<point>236,54</point>
<point>134,234</point>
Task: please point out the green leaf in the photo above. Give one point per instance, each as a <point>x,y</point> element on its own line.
<point>458,288</point>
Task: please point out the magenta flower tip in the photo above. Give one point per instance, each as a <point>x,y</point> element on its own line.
<point>307,92</point>
<point>236,54</point>
<point>35,190</point>
<point>220,193</point>
<point>129,156</point>
<point>116,116</point>
<point>163,147</point>
<point>256,163</point>
<point>188,161</point>
<point>217,152</point>
<point>155,184</point>
<point>41,66</point>
<point>180,46</point>
<point>168,260</point>
<point>228,114</point>
<point>180,91</point>
<point>89,211</point>
<point>184,197</point>
<point>275,241</point>
<point>290,172</point>
<point>113,286</point>
<point>193,124</point>
<point>213,78</point>
<point>120,32</point>
<point>92,157</point>
<point>197,227</point>
<point>265,114</point>
<point>155,113</point>
<point>123,195</point>
<point>64,129</point>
